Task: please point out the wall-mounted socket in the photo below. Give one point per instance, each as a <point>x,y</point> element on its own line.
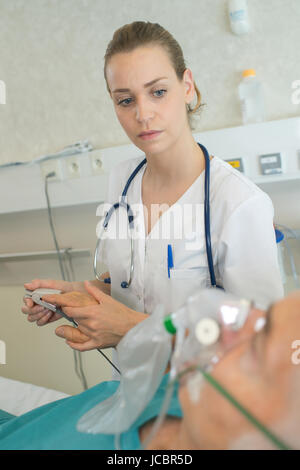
<point>72,167</point>
<point>51,166</point>
<point>96,164</point>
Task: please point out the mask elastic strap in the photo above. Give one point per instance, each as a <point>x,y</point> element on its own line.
<point>209,378</point>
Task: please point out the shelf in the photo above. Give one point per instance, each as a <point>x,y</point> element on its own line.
<point>24,189</point>
<point>277,178</point>
<point>6,257</point>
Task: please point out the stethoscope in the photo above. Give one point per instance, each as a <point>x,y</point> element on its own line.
<point>130,217</point>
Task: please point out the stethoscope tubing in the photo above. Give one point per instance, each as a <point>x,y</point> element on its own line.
<point>123,203</point>
<point>210,262</point>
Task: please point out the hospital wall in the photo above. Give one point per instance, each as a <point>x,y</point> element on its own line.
<point>35,354</point>
<point>52,63</point>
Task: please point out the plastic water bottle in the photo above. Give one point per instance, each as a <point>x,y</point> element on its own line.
<point>251,97</point>
<point>238,16</point>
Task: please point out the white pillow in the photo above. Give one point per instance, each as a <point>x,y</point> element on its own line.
<point>18,397</point>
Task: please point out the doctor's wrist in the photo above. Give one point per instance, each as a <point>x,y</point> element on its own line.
<point>135,317</point>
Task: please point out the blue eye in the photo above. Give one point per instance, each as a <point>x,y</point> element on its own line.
<point>160,93</point>
<point>125,102</point>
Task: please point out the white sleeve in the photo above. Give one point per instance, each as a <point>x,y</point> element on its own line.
<point>247,253</point>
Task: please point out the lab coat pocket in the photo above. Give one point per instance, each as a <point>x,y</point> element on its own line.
<point>188,273</point>
<point>184,282</point>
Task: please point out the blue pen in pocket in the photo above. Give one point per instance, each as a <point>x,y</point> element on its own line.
<point>170,259</point>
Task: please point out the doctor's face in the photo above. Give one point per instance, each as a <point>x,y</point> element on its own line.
<point>148,96</point>
<point>263,373</point>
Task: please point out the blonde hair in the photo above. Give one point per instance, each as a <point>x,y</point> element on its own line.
<point>141,33</point>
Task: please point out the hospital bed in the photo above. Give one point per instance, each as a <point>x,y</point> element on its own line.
<point>18,397</point>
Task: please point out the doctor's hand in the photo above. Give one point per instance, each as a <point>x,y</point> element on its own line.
<point>37,313</point>
<point>41,315</point>
<point>101,325</point>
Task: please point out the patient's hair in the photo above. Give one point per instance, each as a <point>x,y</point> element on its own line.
<point>141,33</point>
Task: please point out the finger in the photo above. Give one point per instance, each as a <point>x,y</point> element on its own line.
<point>38,314</point>
<point>45,319</point>
<point>35,317</point>
<point>33,310</point>
<point>95,292</point>
<point>57,299</point>
<point>37,283</point>
<point>77,312</point>
<point>34,284</point>
<point>54,317</point>
<point>71,334</point>
<point>88,346</point>
<point>28,302</point>
<point>85,330</point>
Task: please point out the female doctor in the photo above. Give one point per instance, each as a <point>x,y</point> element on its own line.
<point>152,90</point>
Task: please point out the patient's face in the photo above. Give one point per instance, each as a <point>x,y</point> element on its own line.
<point>258,372</point>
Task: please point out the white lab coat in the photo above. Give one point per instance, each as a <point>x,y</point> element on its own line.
<point>242,236</point>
